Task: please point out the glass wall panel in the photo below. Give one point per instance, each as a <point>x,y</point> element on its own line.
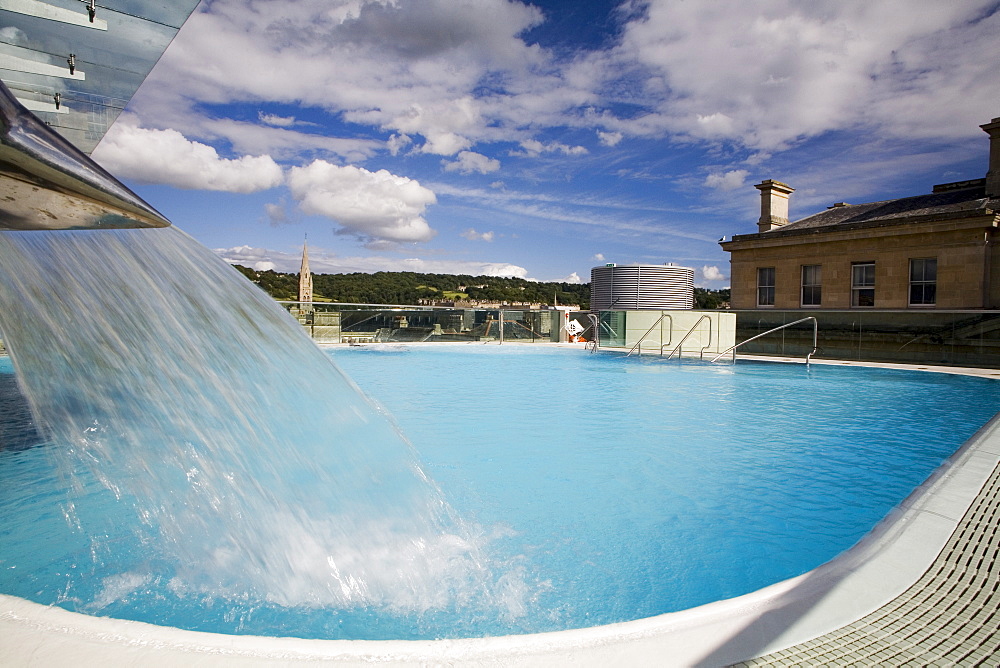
<point>111,57</point>
<point>962,338</point>
<point>367,323</point>
<point>612,333</point>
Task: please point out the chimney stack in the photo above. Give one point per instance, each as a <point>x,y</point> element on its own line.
<point>774,204</point>
<point>993,173</point>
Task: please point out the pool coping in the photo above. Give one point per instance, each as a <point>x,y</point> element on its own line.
<point>886,562</point>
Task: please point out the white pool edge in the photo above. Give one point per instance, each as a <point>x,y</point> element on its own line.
<point>880,567</point>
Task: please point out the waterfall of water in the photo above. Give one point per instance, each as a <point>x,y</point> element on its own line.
<point>249,466</point>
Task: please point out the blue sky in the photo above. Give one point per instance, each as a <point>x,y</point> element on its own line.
<point>539,139</point>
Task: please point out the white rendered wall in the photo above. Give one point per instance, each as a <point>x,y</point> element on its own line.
<point>714,331</point>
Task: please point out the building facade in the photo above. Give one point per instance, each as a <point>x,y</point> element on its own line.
<point>923,252</point>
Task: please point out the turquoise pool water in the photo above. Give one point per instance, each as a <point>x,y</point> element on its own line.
<point>601,488</point>
<point>633,486</point>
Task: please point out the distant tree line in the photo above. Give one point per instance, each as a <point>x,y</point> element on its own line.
<point>711,299</point>
<point>407,287</point>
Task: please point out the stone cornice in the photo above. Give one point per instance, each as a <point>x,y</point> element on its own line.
<point>984,218</point>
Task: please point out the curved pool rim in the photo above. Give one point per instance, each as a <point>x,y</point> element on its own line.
<point>887,561</point>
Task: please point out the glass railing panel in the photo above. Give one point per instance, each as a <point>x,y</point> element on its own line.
<point>612,333</point>
<point>367,323</point>
<point>111,57</point>
<point>969,338</point>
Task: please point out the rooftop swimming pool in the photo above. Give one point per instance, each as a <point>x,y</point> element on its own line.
<point>634,486</point>
<point>174,450</point>
<point>596,488</point>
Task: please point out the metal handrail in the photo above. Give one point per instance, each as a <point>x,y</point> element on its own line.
<point>808,357</point>
<point>595,324</point>
<point>643,337</point>
<point>689,333</point>
<point>50,184</point>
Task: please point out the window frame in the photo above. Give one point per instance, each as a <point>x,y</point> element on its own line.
<point>862,289</point>
<point>923,283</point>
<point>814,288</point>
<point>761,286</point>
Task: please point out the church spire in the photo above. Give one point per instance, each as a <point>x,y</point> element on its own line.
<point>305,276</point>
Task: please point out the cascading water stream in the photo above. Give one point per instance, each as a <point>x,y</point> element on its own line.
<point>180,401</point>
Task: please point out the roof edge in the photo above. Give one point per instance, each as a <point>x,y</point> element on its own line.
<point>984,212</point>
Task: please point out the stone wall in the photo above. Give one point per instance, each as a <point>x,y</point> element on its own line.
<point>968,271</point>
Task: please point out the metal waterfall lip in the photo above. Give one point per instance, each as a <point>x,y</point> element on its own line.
<point>46,183</point>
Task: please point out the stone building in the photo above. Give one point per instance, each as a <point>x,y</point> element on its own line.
<point>922,252</point>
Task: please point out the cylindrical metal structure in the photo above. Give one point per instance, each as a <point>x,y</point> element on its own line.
<point>46,183</point>
<point>629,287</point>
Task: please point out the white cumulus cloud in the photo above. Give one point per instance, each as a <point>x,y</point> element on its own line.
<point>573,278</point>
<point>397,143</point>
<point>167,157</point>
<point>534,148</point>
<point>472,235</point>
<point>609,138</point>
<point>769,73</point>
<point>727,181</point>
<point>498,269</point>
<point>274,119</point>
<point>378,205</point>
<point>454,74</point>
<point>325,262</point>
<point>712,273</point>
<point>468,162</point>
<point>258,259</point>
<point>276,214</point>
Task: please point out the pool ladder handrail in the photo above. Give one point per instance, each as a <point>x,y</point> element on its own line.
<point>595,325</point>
<point>701,353</point>
<point>775,329</point>
<point>638,344</point>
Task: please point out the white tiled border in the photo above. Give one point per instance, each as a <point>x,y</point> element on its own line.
<point>880,567</point>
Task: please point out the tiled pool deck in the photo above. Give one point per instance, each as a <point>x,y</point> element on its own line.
<point>950,616</point>
<point>920,589</point>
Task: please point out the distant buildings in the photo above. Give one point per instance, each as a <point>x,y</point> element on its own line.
<point>494,304</point>
<point>922,252</point>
